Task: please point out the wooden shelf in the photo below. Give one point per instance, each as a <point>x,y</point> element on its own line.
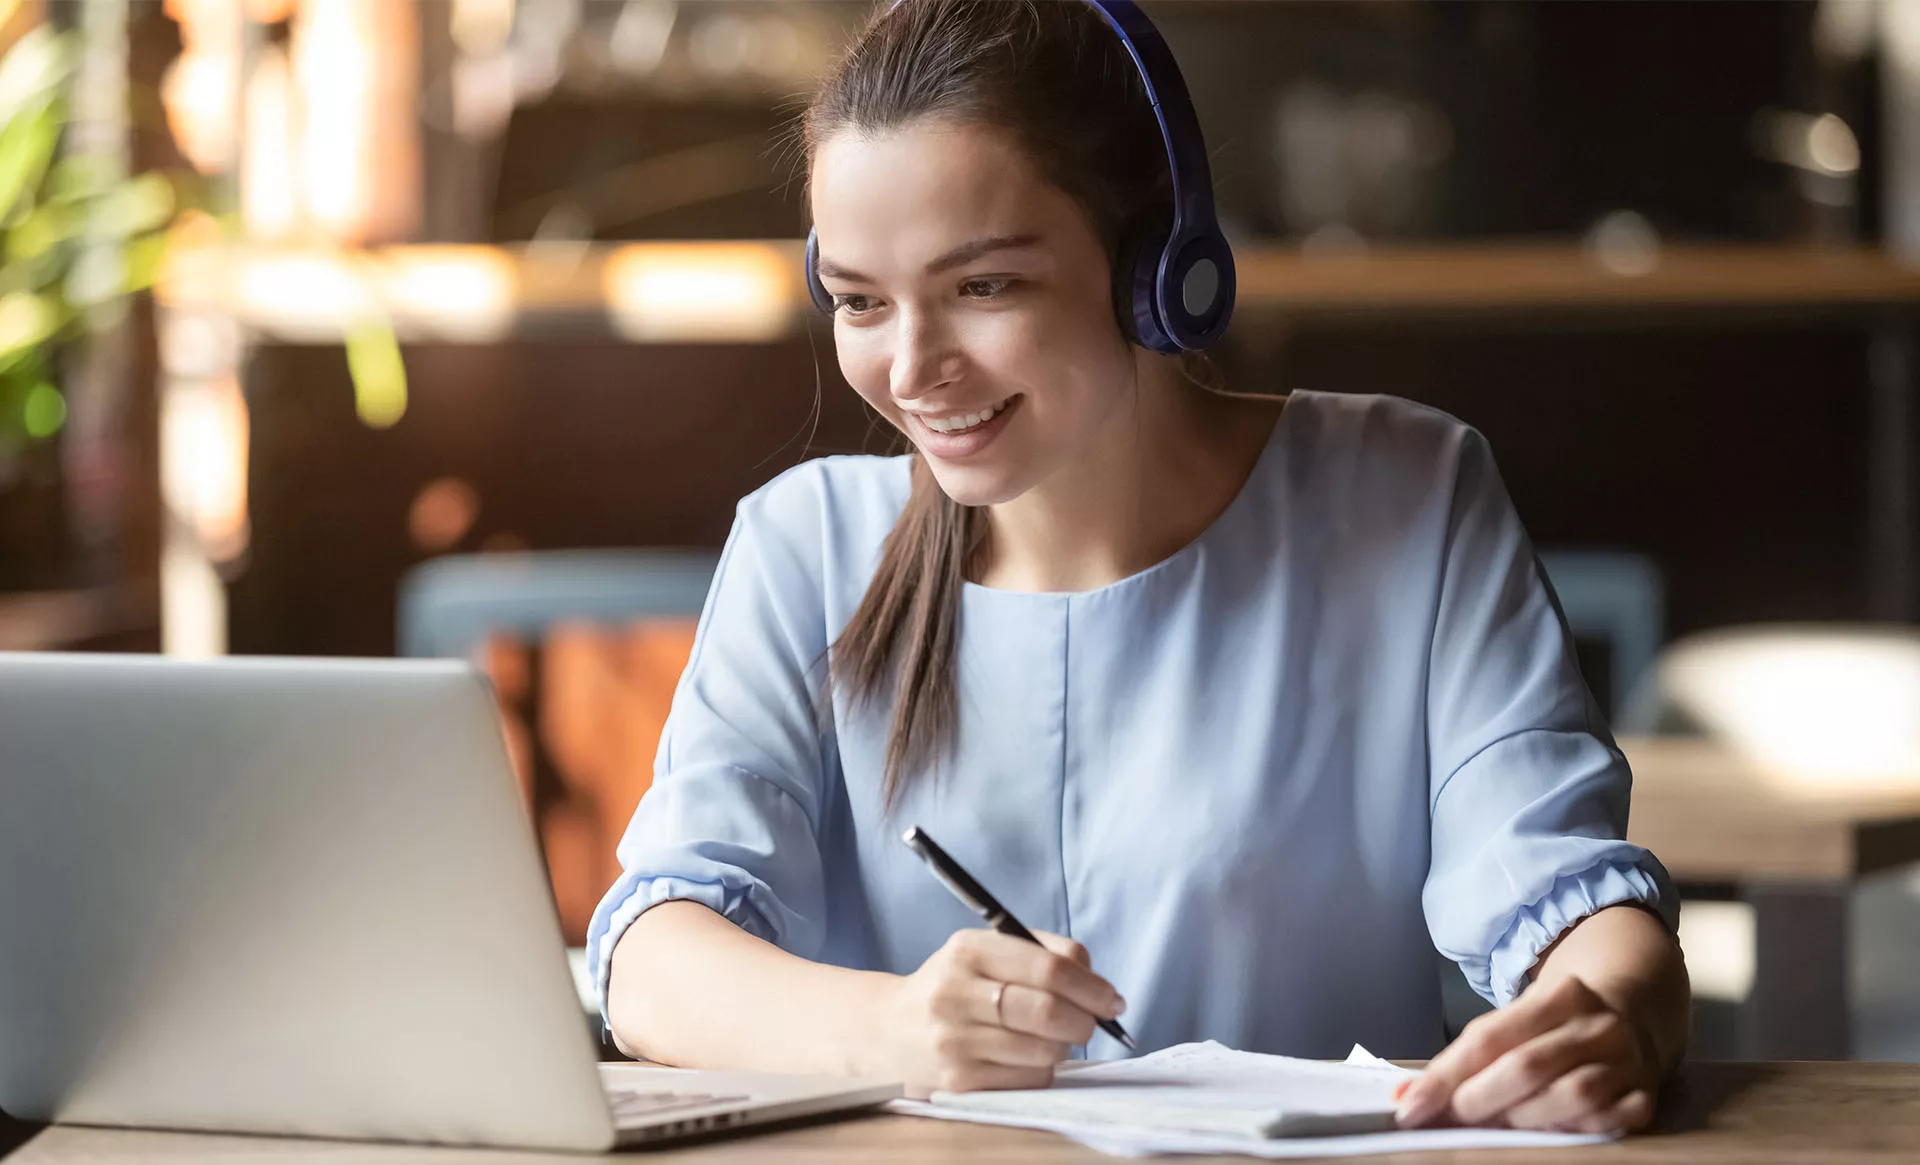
<point>751,290</point>
<point>1509,277</point>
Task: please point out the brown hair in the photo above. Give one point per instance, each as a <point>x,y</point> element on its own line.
<point>1052,75</point>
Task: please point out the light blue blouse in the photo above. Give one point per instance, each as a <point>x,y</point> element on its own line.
<point>1263,780</point>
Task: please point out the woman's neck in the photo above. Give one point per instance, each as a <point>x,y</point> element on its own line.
<point>1153,479</point>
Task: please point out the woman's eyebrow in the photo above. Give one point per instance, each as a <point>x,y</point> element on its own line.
<point>966,253</point>
<point>828,269</point>
<point>960,256</point>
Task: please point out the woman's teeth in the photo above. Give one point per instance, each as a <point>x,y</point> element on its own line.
<point>962,424</point>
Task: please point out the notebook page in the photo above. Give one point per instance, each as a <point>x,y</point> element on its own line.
<point>1206,1088</point>
<point>1139,1141</point>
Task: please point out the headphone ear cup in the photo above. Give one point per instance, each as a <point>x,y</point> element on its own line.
<point>816,290</point>
<point>1136,277</point>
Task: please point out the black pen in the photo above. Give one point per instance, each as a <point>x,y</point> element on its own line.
<point>986,905</point>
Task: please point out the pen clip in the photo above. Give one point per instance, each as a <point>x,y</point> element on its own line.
<point>960,892</point>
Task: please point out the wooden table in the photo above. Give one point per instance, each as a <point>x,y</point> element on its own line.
<point>1793,849</point>
<point>1817,1114</point>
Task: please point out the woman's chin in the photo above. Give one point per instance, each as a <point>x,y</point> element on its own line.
<point>976,485</point>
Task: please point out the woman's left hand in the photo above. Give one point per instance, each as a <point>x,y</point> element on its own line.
<point>1557,1058</point>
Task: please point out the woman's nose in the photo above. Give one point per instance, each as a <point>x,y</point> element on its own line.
<point>923,357</point>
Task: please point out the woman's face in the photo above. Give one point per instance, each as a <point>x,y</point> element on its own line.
<point>968,289</point>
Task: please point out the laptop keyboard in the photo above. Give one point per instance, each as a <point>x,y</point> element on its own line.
<point>632,1104</point>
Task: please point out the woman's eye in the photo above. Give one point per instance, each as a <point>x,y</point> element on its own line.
<point>985,288</point>
<point>853,304</point>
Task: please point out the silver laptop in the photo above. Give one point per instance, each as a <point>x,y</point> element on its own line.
<point>302,897</point>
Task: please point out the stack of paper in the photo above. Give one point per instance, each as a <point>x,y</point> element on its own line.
<point>1207,1098</point>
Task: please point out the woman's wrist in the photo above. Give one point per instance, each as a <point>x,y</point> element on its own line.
<point>1626,955</point>
<point>865,1050</point>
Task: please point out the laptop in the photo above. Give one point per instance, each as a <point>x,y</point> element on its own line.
<point>300,896</point>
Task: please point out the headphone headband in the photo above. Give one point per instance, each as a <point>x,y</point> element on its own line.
<point>1174,281</point>
<point>1172,108</point>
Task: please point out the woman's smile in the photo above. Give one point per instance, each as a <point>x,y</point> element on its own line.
<point>954,436</point>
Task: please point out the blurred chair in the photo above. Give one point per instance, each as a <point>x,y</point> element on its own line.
<point>584,649</point>
<point>449,606</point>
<point>1617,598</point>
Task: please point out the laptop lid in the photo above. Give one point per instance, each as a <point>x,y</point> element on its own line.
<point>278,896</point>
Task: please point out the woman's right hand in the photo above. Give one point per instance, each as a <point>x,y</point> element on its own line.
<point>951,1026</point>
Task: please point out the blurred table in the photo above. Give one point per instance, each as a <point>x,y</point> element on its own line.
<point>1795,1114</point>
<point>1714,816</point>
<point>1793,849</point>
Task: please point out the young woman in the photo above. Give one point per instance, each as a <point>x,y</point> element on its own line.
<point>1261,701</point>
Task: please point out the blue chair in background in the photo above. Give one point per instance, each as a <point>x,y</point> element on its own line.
<point>449,606</point>
<point>1614,597</point>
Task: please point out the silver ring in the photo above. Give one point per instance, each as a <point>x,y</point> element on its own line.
<point>1000,1017</point>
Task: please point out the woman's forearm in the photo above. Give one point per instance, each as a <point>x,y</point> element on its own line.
<point>1626,955</point>
<point>691,989</point>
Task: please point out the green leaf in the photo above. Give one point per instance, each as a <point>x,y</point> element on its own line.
<point>27,143</point>
<point>129,208</point>
<point>40,231</point>
<point>379,374</point>
<point>45,411</point>
<point>26,319</point>
<point>36,67</point>
<point>98,272</point>
<point>77,178</point>
<point>143,258</point>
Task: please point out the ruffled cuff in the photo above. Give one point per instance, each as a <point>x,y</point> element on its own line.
<point>1572,898</point>
<point>647,893</point>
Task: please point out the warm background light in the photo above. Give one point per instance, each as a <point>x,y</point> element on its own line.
<point>322,157</point>
<point>303,294</point>
<point>1812,705</point>
<point>459,293</point>
<point>353,62</point>
<point>269,185</point>
<point>201,89</point>
<point>701,291</point>
<point>204,436</point>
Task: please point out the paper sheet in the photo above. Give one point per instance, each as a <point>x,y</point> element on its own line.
<point>1207,1098</point>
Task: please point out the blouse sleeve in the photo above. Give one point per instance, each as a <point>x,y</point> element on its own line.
<point>731,820</point>
<point>1529,794</point>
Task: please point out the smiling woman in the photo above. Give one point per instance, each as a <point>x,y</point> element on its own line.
<point>977,214</point>
<point>1263,701</point>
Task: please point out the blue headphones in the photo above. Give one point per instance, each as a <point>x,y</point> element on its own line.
<point>1173,280</point>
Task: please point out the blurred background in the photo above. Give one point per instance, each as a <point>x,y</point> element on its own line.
<point>457,327</point>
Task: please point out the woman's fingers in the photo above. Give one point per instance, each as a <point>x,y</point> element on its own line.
<point>1038,1013</point>
<point>983,1075</point>
<point>1536,1065</point>
<point>1060,944</point>
<point>1489,1037</point>
<point>1582,1100</point>
<point>998,1045</point>
<point>1630,1113</point>
<point>1005,959</point>
<point>1000,1012</point>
